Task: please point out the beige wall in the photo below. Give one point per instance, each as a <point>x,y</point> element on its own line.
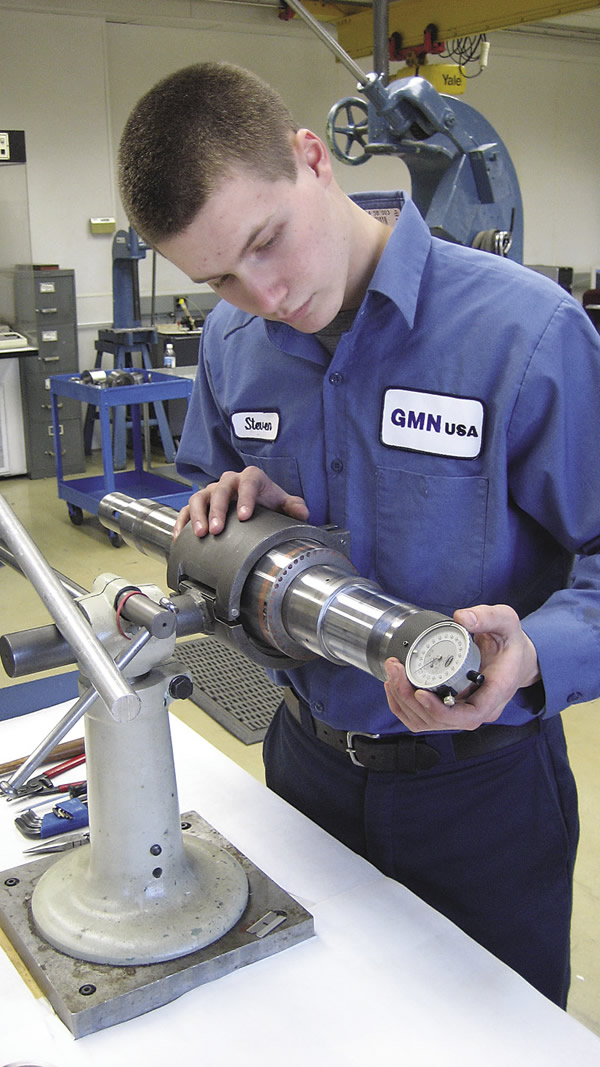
<point>70,79</point>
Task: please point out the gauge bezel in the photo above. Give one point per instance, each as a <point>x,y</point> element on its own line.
<point>458,667</point>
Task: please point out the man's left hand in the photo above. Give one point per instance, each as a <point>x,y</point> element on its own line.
<point>508,661</point>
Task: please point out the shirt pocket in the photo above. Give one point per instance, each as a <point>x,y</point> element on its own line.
<point>283,470</point>
<point>430,537</point>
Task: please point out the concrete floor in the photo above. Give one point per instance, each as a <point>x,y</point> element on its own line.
<point>83,552</point>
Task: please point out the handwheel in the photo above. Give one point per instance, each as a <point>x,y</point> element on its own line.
<point>349,119</point>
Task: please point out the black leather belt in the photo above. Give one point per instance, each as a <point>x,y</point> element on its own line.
<point>407,753</point>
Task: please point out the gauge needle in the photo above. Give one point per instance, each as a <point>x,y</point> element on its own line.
<point>432,663</point>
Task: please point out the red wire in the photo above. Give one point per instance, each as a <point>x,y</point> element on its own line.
<point>122,603</point>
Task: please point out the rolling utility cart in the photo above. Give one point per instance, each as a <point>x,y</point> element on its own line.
<point>85,494</point>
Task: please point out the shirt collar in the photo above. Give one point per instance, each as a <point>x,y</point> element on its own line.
<point>281,335</point>
<point>399,273</point>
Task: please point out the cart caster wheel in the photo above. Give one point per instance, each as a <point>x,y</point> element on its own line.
<point>75,514</point>
<point>115,539</point>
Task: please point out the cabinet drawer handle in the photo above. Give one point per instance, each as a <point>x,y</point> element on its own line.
<point>48,407</point>
<point>46,311</point>
<point>48,452</point>
<point>49,359</point>
<point>61,430</point>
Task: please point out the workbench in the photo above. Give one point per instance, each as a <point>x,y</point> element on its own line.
<point>385,979</point>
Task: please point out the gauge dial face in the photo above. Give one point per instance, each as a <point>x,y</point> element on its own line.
<point>437,655</point>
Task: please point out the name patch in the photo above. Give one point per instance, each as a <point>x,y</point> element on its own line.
<point>256,425</point>
<point>431,422</point>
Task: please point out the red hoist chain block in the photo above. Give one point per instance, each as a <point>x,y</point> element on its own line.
<point>430,47</point>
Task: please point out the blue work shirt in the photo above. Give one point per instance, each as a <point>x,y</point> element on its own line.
<point>453,433</point>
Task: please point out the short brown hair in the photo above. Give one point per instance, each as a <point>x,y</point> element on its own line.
<point>188,133</point>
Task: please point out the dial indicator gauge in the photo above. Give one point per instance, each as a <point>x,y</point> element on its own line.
<point>441,656</point>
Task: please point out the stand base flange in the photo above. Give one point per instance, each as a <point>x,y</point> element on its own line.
<point>90,996</point>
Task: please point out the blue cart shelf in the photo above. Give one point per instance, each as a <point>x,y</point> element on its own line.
<point>85,494</point>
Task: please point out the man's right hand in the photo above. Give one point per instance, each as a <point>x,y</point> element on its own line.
<point>207,509</point>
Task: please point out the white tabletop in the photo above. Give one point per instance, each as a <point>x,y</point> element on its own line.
<point>385,980</point>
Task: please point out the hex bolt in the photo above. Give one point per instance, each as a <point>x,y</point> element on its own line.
<point>181,687</point>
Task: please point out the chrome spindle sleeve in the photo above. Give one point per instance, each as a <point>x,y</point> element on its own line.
<point>143,524</point>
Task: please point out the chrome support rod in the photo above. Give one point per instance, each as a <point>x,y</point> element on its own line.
<point>120,699</point>
<point>85,701</point>
<point>329,41</point>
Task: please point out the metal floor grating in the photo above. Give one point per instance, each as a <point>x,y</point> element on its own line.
<point>230,688</point>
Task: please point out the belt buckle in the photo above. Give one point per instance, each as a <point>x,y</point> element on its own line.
<point>350,735</point>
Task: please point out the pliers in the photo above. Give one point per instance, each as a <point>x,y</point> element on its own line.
<point>58,846</point>
<point>43,785</point>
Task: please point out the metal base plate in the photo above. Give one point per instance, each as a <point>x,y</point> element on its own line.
<point>91,996</point>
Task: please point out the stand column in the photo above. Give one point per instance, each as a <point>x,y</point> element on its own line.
<point>140,892</point>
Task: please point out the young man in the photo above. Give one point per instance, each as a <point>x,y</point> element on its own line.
<point>350,335</point>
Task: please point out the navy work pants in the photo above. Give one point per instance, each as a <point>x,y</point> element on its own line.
<point>489,842</point>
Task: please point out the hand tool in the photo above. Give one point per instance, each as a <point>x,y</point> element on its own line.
<point>71,814</point>
<point>43,783</point>
<point>71,789</point>
<point>58,846</point>
<point>64,751</point>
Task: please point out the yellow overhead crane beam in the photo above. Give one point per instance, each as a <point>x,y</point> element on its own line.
<point>329,11</point>
<point>452,18</point>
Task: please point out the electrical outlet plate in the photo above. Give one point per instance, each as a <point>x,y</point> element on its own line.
<point>4,147</point>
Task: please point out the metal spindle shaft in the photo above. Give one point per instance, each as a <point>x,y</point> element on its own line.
<point>146,525</point>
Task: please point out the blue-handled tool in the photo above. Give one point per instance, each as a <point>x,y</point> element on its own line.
<point>65,816</point>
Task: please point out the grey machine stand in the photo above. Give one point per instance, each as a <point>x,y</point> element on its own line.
<point>157,903</point>
<point>149,908</point>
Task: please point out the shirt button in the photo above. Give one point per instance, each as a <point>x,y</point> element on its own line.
<point>319,707</point>
<point>337,466</point>
<point>574,697</point>
<point>335,378</point>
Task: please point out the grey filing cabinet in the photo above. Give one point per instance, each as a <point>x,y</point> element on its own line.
<point>55,330</point>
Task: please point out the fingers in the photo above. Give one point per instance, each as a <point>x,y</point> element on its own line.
<point>497,619</point>
<point>182,519</point>
<point>208,508</point>
<point>508,661</point>
<point>421,710</point>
